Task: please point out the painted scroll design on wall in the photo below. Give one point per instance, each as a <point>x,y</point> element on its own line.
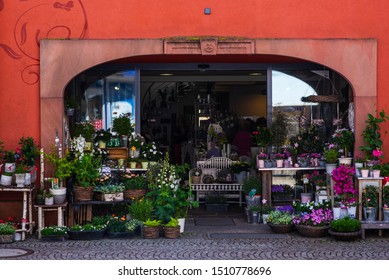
<point>27,32</point>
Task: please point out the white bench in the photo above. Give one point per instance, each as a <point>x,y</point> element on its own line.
<point>229,190</point>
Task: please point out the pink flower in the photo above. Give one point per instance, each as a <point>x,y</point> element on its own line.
<point>377,153</point>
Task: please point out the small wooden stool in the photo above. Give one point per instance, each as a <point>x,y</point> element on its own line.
<point>60,208</point>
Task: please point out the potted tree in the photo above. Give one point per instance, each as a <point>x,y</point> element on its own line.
<point>30,153</point>
<point>123,126</point>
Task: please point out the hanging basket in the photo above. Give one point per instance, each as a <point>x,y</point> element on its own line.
<point>322,98</point>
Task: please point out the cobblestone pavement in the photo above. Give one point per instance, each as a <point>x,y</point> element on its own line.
<point>197,243</point>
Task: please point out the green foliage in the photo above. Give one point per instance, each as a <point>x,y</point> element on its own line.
<point>141,209</point>
<point>280,218</point>
<point>183,201</point>
<point>88,226</point>
<point>345,224</point>
<point>86,170</point>
<point>307,141</point>
<point>6,229</point>
<point>122,124</point>
<point>85,129</point>
<point>261,137</point>
<point>102,135</point>
<point>385,195</point>
<point>279,129</point>
<point>172,223</point>
<point>54,230</point>
<point>100,220</point>
<point>370,196</point>
<point>63,166</point>
<point>331,155</point>
<point>20,169</point>
<point>182,170</point>
<point>254,208</point>
<point>240,166</point>
<point>30,151</point>
<point>372,134</point>
<point>152,223</point>
<point>252,183</point>
<point>117,225</point>
<point>266,208</point>
<point>9,157</point>
<point>135,183</point>
<point>111,188</point>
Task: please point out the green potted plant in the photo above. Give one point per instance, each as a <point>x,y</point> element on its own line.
<point>110,192</point>
<point>119,227</point>
<point>49,200</point>
<point>184,201</point>
<point>88,231</point>
<point>254,213</point>
<point>29,150</point>
<point>6,178</point>
<point>345,229</point>
<point>86,173</point>
<point>372,134</point>
<point>265,210</point>
<point>86,130</point>
<point>195,175</point>
<point>370,203</point>
<point>141,209</point>
<point>252,188</point>
<point>151,228</point>
<point>123,126</point>
<point>171,229</point>
<point>135,187</point>
<point>280,221</point>
<point>54,233</point>
<point>40,197</point>
<point>240,169</point>
<point>9,158</point>
<point>331,156</point>
<point>344,139</point>
<point>71,105</point>
<point>20,175</point>
<point>6,233</point>
<point>102,138</point>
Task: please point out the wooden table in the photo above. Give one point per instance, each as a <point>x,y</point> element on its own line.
<point>27,207</point>
<point>267,177</point>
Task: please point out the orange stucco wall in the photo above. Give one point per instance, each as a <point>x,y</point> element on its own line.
<point>24,23</point>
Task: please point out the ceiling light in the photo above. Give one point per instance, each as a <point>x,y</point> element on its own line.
<point>166,74</point>
<point>255,74</point>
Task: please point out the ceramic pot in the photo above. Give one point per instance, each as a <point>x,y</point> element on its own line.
<point>280,163</point>
<point>345,160</point>
<point>365,173</point>
<point>306,197</point>
<point>376,173</point>
<point>20,179</point>
<point>261,163</point>
<point>330,167</point>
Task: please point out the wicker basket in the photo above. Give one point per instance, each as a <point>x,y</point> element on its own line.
<point>322,98</point>
<point>7,238</point>
<point>150,232</point>
<point>171,232</point>
<point>134,194</point>
<point>83,193</point>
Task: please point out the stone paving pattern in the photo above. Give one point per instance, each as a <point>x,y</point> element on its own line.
<point>196,244</point>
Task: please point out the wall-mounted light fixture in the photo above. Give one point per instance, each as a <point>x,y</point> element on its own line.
<point>207,11</point>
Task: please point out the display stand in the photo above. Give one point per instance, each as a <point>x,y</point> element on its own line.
<point>27,207</point>
<point>380,225</point>
<point>60,208</point>
<point>267,177</point>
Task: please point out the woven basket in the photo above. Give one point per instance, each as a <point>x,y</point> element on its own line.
<point>7,238</point>
<point>171,232</point>
<point>134,194</point>
<point>83,193</point>
<point>150,232</point>
<point>322,98</point>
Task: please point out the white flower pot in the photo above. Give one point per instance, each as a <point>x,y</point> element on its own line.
<point>345,160</point>
<point>280,163</point>
<point>376,173</point>
<point>6,180</point>
<point>19,180</point>
<point>145,164</point>
<point>59,195</point>
<point>330,167</point>
<point>181,222</point>
<point>352,211</point>
<point>365,173</point>
<point>27,179</point>
<point>49,200</point>
<point>306,197</point>
<point>9,167</point>
<point>336,212</point>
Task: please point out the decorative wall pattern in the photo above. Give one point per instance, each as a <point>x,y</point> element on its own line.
<point>33,25</point>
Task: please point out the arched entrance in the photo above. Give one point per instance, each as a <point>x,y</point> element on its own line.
<point>62,60</point>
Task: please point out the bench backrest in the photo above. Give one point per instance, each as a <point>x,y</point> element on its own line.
<point>216,162</point>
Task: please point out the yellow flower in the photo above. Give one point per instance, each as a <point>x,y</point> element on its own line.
<point>133,148</point>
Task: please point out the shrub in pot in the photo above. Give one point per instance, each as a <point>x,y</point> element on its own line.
<point>6,233</point>
<point>345,229</point>
<point>280,221</point>
<point>252,188</point>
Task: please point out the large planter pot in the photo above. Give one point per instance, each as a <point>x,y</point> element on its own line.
<point>345,160</point>
<point>7,238</point>
<point>119,235</point>
<point>345,236</point>
<point>278,228</point>
<point>150,232</point>
<point>370,214</point>
<point>83,193</point>
<point>171,232</point>
<point>312,231</point>
<point>86,234</point>
<point>59,195</point>
<point>330,167</point>
<point>53,238</point>
<point>134,194</point>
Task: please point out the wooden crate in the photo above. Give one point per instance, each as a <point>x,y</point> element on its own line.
<point>118,153</point>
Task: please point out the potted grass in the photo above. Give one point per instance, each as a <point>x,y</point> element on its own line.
<point>345,229</point>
